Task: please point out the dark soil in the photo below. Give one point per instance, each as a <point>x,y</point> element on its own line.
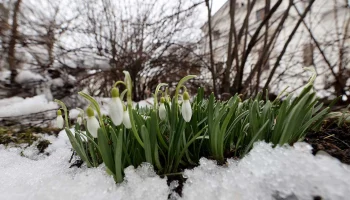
<point>332,139</point>
<point>180,180</point>
<point>43,144</point>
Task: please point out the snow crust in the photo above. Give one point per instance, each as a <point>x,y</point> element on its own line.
<point>266,173</point>
<point>17,106</point>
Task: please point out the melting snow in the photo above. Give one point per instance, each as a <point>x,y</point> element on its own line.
<point>266,173</point>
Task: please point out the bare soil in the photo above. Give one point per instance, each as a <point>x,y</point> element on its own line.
<point>333,139</point>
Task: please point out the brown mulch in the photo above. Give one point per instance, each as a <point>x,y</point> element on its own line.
<point>332,139</point>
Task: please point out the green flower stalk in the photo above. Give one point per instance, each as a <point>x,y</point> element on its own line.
<point>116,107</point>
<point>128,85</point>
<point>186,109</point>
<point>59,120</point>
<point>91,122</point>
<point>179,85</point>
<point>162,110</point>
<point>155,106</point>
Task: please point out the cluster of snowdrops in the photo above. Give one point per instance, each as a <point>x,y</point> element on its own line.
<point>176,132</point>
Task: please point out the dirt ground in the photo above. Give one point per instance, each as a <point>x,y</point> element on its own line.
<point>332,139</point>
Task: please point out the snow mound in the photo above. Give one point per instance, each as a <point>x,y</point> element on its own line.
<point>270,173</point>
<point>49,177</point>
<point>265,173</point>
<point>28,76</point>
<point>16,106</point>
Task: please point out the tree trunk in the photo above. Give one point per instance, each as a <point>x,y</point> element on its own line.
<point>212,64</point>
<point>12,44</point>
<point>226,83</point>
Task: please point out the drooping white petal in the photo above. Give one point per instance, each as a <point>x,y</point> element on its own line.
<point>92,126</point>
<point>116,111</point>
<point>59,121</point>
<point>79,120</point>
<point>186,110</point>
<point>169,105</point>
<point>126,120</point>
<point>162,111</point>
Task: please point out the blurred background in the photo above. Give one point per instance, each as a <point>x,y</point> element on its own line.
<point>52,49</point>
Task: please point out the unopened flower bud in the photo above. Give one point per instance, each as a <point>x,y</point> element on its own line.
<point>162,110</point>
<point>116,108</point>
<point>79,120</point>
<point>186,109</point>
<point>59,120</point>
<point>92,123</point>
<point>126,119</point>
<point>169,101</point>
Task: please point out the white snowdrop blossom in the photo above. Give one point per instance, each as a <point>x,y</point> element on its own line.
<point>186,109</point>
<point>59,120</point>
<point>126,119</point>
<point>162,110</point>
<point>169,102</point>
<point>79,120</point>
<point>116,108</point>
<point>92,123</point>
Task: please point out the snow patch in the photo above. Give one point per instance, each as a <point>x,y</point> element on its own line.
<point>58,82</point>
<point>5,75</point>
<point>266,173</point>
<point>9,101</point>
<point>51,178</point>
<point>26,106</point>
<point>270,173</point>
<point>146,103</point>
<point>28,76</point>
<point>73,113</point>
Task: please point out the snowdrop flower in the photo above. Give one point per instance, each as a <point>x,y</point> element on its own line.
<point>116,108</point>
<point>186,109</point>
<point>126,119</point>
<point>79,120</point>
<point>92,123</point>
<point>59,120</point>
<point>169,101</point>
<point>162,110</point>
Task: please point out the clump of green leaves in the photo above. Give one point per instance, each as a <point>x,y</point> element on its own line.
<point>186,131</point>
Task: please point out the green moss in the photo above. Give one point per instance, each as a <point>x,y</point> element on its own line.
<point>19,136</point>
